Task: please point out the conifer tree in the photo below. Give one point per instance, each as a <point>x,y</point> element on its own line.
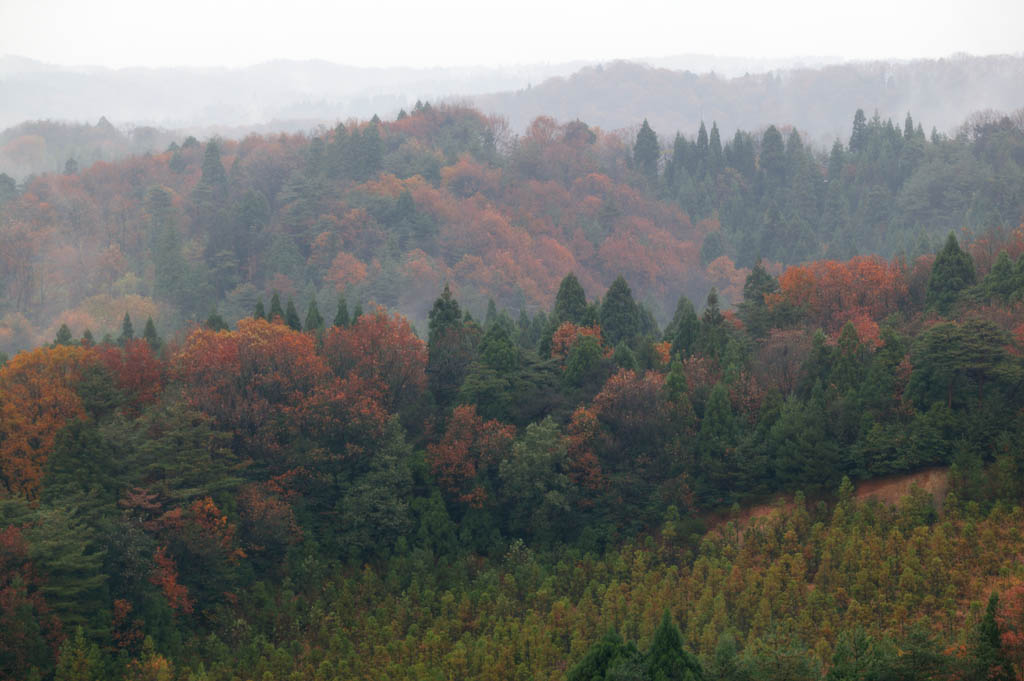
<point>570,301</point>
<point>63,336</point>
<point>276,311</point>
<point>149,333</point>
<point>666,659</point>
<point>215,322</point>
<point>260,312</point>
<point>952,272</point>
<point>620,318</point>
<point>314,322</point>
<point>646,151</point>
<point>127,332</point>
<point>291,316</point>
<point>341,319</point>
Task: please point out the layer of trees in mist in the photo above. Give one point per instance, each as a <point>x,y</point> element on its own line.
<point>387,212</point>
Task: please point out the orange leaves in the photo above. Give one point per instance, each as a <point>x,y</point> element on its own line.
<point>833,293</point>
<point>381,348</point>
<point>258,381</point>
<point>135,369</point>
<point>346,270</point>
<point>37,398</point>
<point>469,448</point>
<point>165,576</point>
<point>566,336</point>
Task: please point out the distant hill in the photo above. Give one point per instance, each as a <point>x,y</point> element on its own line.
<point>817,101</point>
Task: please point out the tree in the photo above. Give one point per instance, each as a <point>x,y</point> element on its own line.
<point>952,272</point>
<point>79,660</point>
<point>314,322</point>
<point>341,315</point>
<point>684,328</point>
<point>666,659</point>
<point>988,660</point>
<point>571,301</point>
<point>646,151</point>
<point>276,311</point>
<point>150,336</point>
<point>63,336</point>
<point>291,317</point>
<point>127,332</point>
<point>259,312</point>
<point>215,322</point>
<point>383,350</point>
<point>754,310</point>
<point>608,658</point>
<point>620,317</point>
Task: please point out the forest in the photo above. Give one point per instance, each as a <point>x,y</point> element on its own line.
<point>425,400</point>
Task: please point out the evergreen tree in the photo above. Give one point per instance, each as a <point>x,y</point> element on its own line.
<point>127,332</point>
<point>291,316</point>
<point>260,312</point>
<point>276,311</point>
<point>314,322</point>
<point>988,660</point>
<point>149,333</point>
<point>357,312</point>
<point>570,301</point>
<point>646,151</point>
<point>79,660</point>
<point>858,137</point>
<point>715,159</point>
<point>63,336</point>
<point>620,318</point>
<point>684,328</point>
<point>666,659</point>
<point>215,322</point>
<point>952,272</point>
<point>341,315</point>
<point>754,309</point>
<point>87,339</point>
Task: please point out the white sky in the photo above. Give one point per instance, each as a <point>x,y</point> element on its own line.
<point>425,33</point>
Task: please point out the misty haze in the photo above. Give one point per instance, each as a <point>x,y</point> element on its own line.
<point>546,341</point>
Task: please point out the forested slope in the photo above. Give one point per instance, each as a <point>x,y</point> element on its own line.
<point>300,486</point>
<point>389,212</point>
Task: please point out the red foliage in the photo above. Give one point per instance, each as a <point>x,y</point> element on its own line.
<point>37,398</point>
<point>567,334</point>
<point>381,349</point>
<point>165,576</point>
<point>136,370</point>
<point>833,293</point>
<point>469,448</point>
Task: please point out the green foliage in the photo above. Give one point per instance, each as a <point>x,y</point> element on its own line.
<point>952,272</point>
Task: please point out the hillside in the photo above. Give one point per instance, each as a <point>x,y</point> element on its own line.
<point>387,212</point>
<point>815,100</point>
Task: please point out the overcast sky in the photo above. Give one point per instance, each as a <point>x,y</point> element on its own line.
<point>422,33</point>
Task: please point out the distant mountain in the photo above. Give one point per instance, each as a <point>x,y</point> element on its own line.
<point>817,101</point>
<point>188,97</point>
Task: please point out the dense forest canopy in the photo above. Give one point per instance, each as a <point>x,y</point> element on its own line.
<point>387,212</point>
<point>424,399</point>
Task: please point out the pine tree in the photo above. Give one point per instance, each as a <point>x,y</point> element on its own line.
<point>127,332</point>
<point>754,309</point>
<point>215,322</point>
<point>570,301</point>
<point>276,311</point>
<point>260,312</point>
<point>87,339</point>
<point>149,333</point>
<point>314,322</point>
<point>666,659</point>
<point>341,319</point>
<point>684,328</point>
<point>63,336</point>
<point>291,316</point>
<point>620,319</point>
<point>988,660</point>
<point>79,660</point>
<point>952,272</point>
<point>646,151</point>
<point>858,137</point>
